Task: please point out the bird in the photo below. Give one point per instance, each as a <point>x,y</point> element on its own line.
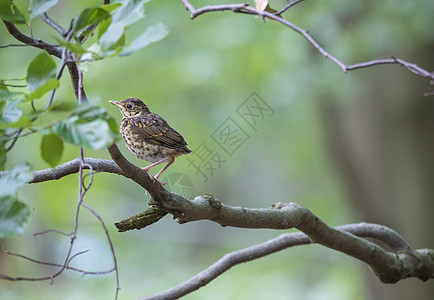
<point>148,136</point>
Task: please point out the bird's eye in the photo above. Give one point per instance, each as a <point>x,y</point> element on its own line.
<point>129,106</point>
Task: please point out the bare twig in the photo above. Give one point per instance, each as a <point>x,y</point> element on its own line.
<point>17,45</point>
<point>245,8</point>
<point>288,6</point>
<point>84,272</point>
<point>53,24</point>
<point>51,230</point>
<point>14,139</point>
<point>112,250</point>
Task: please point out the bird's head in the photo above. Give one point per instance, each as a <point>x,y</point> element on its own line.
<point>131,107</point>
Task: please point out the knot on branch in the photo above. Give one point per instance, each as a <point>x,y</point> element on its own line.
<point>418,263</point>
<point>211,201</point>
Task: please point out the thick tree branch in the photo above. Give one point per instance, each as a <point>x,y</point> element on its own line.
<point>129,170</point>
<point>51,49</point>
<point>72,167</point>
<point>245,8</point>
<point>390,267</point>
<point>279,243</point>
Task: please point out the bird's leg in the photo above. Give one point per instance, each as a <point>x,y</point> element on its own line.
<point>170,160</point>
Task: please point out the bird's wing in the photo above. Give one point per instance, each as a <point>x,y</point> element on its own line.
<point>155,130</point>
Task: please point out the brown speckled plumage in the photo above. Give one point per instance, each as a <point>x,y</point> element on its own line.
<point>148,136</point>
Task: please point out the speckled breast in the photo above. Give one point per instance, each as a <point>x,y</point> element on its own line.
<point>143,150</point>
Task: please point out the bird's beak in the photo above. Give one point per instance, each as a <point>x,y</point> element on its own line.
<point>116,103</point>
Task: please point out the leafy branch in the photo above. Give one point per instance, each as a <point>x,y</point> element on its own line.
<point>87,126</point>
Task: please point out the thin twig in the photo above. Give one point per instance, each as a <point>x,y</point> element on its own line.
<point>245,8</point>
<point>52,230</point>
<point>53,24</point>
<point>288,6</point>
<point>112,250</point>
<point>84,272</point>
<point>14,139</point>
<point>18,45</point>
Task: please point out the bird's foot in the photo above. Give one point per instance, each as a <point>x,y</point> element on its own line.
<point>153,178</point>
<point>162,182</point>
<point>149,174</point>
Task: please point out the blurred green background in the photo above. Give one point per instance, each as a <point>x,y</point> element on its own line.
<point>350,147</point>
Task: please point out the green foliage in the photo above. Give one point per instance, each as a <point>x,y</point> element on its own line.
<point>112,31</point>
<point>151,35</point>
<point>2,156</point>
<point>40,91</point>
<point>51,149</point>
<point>127,14</point>
<point>10,12</point>
<point>14,216</point>
<point>10,112</point>
<point>89,16</point>
<point>40,71</point>
<point>38,7</point>
<point>88,127</point>
<point>15,179</point>
<point>11,115</point>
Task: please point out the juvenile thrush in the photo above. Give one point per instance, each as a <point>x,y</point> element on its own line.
<point>148,136</point>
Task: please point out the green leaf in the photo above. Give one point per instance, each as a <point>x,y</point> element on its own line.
<point>10,12</point>
<point>11,96</point>
<point>10,112</point>
<point>14,216</point>
<point>111,7</point>
<point>74,47</point>
<point>88,126</point>
<point>102,27</point>
<point>15,179</point>
<point>63,106</point>
<point>112,35</point>
<point>38,7</point>
<point>40,91</point>
<point>93,135</point>
<point>151,35</point>
<point>51,149</point>
<point>90,16</point>
<point>40,70</point>
<point>23,122</point>
<point>127,14</point>
<point>3,156</point>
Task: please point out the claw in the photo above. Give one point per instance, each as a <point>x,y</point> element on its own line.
<point>149,174</point>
